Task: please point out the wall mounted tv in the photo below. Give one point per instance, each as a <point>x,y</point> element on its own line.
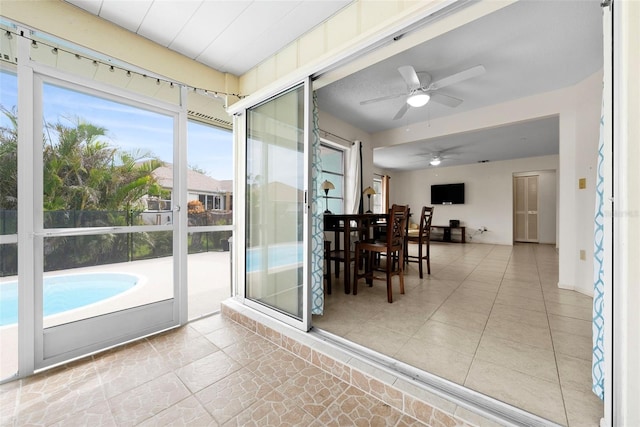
<point>447,194</point>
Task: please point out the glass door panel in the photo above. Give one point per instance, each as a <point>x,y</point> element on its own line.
<point>276,215</point>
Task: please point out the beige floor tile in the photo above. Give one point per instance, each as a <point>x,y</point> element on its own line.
<point>225,337</point>
<point>517,301</point>
<point>505,313</point>
<point>204,372</point>
<point>484,286</point>
<point>533,292</point>
<point>98,415</point>
<point>584,409</point>
<point>249,349</point>
<point>529,393</point>
<point>379,338</point>
<point>572,345</point>
<point>182,346</point>
<point>147,400</point>
<point>277,367</point>
<point>121,371</point>
<point>44,401</point>
<point>583,328</point>
<point>404,320</point>
<point>520,332</point>
<point>563,296</point>
<point>464,319</point>
<point>568,310</point>
<point>231,395</point>
<point>454,337</point>
<point>209,324</point>
<point>355,408</point>
<point>436,359</point>
<point>187,412</point>
<point>575,373</point>
<point>527,359</point>
<point>272,410</point>
<point>313,389</point>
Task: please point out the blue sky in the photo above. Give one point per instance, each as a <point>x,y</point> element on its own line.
<point>130,128</point>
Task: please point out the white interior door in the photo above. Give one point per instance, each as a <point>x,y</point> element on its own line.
<point>526,208</point>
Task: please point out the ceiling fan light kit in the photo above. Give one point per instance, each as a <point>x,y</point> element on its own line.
<point>421,89</point>
<point>435,161</point>
<point>418,99</point>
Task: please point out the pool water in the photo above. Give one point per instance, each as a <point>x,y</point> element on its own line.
<point>277,256</point>
<point>63,293</point>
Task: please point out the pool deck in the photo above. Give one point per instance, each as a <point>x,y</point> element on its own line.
<point>209,278</point>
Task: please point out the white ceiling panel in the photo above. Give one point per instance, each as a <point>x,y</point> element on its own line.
<point>211,20</point>
<point>281,33</point>
<point>165,19</point>
<point>128,15</point>
<point>260,17</point>
<point>228,35</point>
<point>91,6</point>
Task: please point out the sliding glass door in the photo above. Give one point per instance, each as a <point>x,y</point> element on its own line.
<point>277,213</point>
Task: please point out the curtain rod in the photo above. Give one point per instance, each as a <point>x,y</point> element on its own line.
<point>336,136</point>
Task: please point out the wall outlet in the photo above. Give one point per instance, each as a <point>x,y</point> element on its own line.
<point>583,254</point>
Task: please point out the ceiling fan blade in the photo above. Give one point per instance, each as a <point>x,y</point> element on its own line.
<point>382,98</point>
<point>401,112</point>
<point>458,77</point>
<point>443,99</point>
<point>410,76</point>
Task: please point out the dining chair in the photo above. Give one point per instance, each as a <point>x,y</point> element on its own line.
<point>392,247</point>
<point>421,236</point>
<point>327,261</point>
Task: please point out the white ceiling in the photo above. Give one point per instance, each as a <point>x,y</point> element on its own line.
<point>529,47</point>
<point>231,36</point>
<point>526,48</point>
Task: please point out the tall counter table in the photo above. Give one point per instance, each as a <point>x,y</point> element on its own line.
<point>361,225</point>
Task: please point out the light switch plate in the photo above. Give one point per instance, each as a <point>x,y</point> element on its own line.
<point>582,183</point>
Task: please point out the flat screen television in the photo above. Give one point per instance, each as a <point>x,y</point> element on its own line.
<point>447,194</point>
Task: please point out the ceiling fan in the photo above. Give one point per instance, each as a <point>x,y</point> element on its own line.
<point>440,155</point>
<point>422,90</point>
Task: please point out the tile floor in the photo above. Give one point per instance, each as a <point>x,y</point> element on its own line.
<point>490,318</point>
<point>212,372</point>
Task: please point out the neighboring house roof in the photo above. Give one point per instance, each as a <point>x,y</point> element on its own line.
<point>196,182</point>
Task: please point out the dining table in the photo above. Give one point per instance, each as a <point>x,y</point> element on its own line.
<point>348,226</point>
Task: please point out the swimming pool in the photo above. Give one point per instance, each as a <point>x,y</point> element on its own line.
<point>277,256</point>
<point>66,292</point>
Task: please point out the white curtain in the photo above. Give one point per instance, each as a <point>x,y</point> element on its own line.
<point>352,180</point>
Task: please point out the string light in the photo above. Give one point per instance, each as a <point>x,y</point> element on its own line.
<point>112,68</point>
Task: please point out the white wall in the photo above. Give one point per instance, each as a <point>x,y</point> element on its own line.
<point>488,195</point>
